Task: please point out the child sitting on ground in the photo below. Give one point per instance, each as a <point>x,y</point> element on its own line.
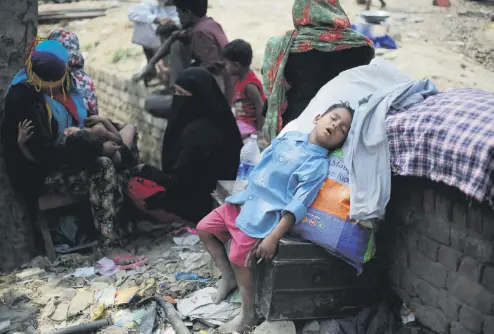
<point>100,137</point>
<point>248,99</point>
<point>281,188</point>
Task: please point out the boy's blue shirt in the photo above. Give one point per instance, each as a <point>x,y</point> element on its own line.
<point>287,179</point>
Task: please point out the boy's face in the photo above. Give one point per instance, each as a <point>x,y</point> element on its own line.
<point>231,67</point>
<point>187,18</point>
<point>332,128</point>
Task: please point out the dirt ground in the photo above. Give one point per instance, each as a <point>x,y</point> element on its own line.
<point>453,46</point>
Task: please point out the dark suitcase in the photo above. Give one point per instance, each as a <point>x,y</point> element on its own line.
<point>304,281</point>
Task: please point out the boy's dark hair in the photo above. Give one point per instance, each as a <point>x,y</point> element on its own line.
<point>344,105</point>
<point>198,7</point>
<point>84,146</point>
<point>238,51</point>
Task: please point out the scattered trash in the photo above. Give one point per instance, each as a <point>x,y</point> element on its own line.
<point>91,327</point>
<point>125,262</point>
<point>4,325</point>
<point>200,306</point>
<point>235,297</point>
<point>106,297</point>
<point>40,262</point>
<point>97,313</point>
<point>407,314</point>
<point>82,300</point>
<point>65,249</point>
<point>194,261</point>
<point>169,299</point>
<point>30,273</point>
<point>107,267</point>
<point>191,277</point>
<point>385,42</point>
<point>125,296</point>
<point>60,313</point>
<point>272,327</point>
<point>146,286</point>
<point>132,319</point>
<point>84,272</point>
<point>186,240</point>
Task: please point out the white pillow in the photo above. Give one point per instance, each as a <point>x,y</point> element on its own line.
<point>349,86</point>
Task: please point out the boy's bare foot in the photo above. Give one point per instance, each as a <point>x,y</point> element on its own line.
<point>227,285</point>
<point>240,324</point>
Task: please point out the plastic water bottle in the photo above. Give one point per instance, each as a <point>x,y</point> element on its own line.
<point>249,157</point>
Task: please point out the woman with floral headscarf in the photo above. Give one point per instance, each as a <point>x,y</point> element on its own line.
<point>298,64</point>
<point>82,80</point>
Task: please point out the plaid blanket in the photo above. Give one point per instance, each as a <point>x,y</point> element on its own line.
<point>447,138</point>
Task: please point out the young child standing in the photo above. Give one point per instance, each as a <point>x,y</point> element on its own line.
<point>281,188</point>
<point>248,98</point>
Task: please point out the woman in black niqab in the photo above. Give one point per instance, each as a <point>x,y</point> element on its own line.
<point>201,146</point>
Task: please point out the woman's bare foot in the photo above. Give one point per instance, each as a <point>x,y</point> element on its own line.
<point>227,285</point>
<point>241,323</point>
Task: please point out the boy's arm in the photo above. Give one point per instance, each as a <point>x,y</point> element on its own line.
<point>254,95</point>
<point>310,178</point>
<point>267,247</point>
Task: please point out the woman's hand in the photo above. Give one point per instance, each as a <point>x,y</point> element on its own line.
<point>110,148</point>
<point>93,120</point>
<point>267,249</point>
<point>25,132</point>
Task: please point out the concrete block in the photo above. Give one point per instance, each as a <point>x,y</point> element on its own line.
<point>432,272</point>
<point>428,247</point>
<point>471,293</point>
<point>449,257</point>
<point>471,319</point>
<point>474,217</point>
<point>488,278</point>
<point>432,318</point>
<point>427,293</point>
<point>457,328</point>
<point>448,304</point>
<point>471,268</point>
<point>488,223</point>
<point>458,239</point>
<point>479,248</point>
<point>443,206</point>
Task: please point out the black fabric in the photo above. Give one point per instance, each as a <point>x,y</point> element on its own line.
<point>24,102</point>
<point>201,146</point>
<point>307,72</point>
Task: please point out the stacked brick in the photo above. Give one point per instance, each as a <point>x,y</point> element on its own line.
<point>440,247</point>
<point>122,100</point>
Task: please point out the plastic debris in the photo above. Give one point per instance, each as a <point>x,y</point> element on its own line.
<point>4,325</point>
<point>125,296</point>
<point>97,313</point>
<point>106,297</point>
<point>200,306</point>
<point>186,240</point>
<point>407,314</point>
<point>107,267</point>
<point>127,319</point>
<point>145,286</point>
<point>84,272</point>
<point>191,277</point>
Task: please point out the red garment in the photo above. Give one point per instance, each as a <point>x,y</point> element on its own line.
<point>221,223</point>
<point>208,41</point>
<point>245,109</point>
<point>68,103</point>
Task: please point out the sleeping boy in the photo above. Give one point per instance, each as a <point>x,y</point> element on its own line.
<point>281,188</point>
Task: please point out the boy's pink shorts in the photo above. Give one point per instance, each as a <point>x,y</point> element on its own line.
<point>221,223</point>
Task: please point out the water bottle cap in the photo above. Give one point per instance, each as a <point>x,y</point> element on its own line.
<point>253,136</point>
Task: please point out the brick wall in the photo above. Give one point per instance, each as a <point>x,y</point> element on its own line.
<point>122,100</point>
<point>441,256</point>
